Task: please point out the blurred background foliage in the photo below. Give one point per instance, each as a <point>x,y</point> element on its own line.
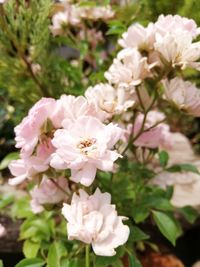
<point>34,63</point>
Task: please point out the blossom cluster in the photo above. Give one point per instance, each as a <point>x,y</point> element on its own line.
<point>73,14</point>
<point>89,133</point>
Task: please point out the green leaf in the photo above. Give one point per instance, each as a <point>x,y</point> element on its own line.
<point>163,158</point>
<point>1,263</point>
<point>140,214</point>
<point>138,234</point>
<point>56,251</point>
<point>6,200</point>
<point>8,158</point>
<point>22,209</point>
<point>167,225</point>
<point>34,262</point>
<point>183,167</point>
<point>30,249</point>
<point>133,261</point>
<point>189,213</point>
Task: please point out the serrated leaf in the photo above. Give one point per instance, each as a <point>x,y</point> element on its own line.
<point>163,158</point>
<point>189,213</point>
<point>8,158</point>
<point>30,249</point>
<point>167,225</point>
<point>34,262</point>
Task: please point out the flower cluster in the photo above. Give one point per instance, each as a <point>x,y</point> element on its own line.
<point>86,134</point>
<point>73,14</point>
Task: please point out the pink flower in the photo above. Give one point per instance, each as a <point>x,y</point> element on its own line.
<point>139,37</point>
<point>178,50</point>
<point>31,166</point>
<point>85,146</point>
<point>41,120</point>
<point>96,12</point>
<point>109,100</point>
<point>3,231</point>
<point>94,220</point>
<point>48,193</point>
<point>170,24</point>
<point>128,69</point>
<point>184,94</point>
<point>154,137</point>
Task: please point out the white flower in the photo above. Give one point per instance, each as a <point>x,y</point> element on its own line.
<point>128,69</point>
<point>48,193</point>
<point>94,220</point>
<point>3,231</point>
<point>184,94</point>
<point>178,50</point>
<point>110,100</point>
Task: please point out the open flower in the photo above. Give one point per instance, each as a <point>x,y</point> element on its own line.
<point>184,94</point>
<point>96,12</point>
<point>48,193</point>
<point>110,100</point>
<point>128,69</point>
<point>139,37</point>
<point>176,23</point>
<point>94,220</point>
<point>85,146</point>
<point>178,50</point>
<point>37,126</point>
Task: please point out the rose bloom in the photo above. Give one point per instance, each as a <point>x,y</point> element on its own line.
<point>34,127</point>
<point>128,69</point>
<point>178,50</point>
<point>85,146</point>
<point>94,220</point>
<point>48,193</point>
<point>154,137</point>
<point>31,166</point>
<point>139,37</point>
<point>184,94</point>
<point>175,23</point>
<point>110,100</point>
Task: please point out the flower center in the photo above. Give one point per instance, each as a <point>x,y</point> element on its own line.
<point>87,145</point>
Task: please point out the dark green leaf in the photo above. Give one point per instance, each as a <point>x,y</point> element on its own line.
<point>140,213</point>
<point>163,158</point>
<point>189,213</point>
<point>138,234</point>
<point>134,262</point>
<point>183,167</point>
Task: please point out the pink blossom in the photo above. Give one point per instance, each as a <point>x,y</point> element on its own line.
<point>85,146</point>
<point>128,69</point>
<point>34,128</point>
<point>94,220</point>
<point>139,37</point>
<point>31,166</point>
<point>96,12</point>
<point>184,94</point>
<point>177,50</point>
<point>48,193</point>
<point>110,100</point>
<point>171,24</point>
<point>154,137</point>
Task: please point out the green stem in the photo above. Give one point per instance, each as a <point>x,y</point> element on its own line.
<point>87,256</point>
